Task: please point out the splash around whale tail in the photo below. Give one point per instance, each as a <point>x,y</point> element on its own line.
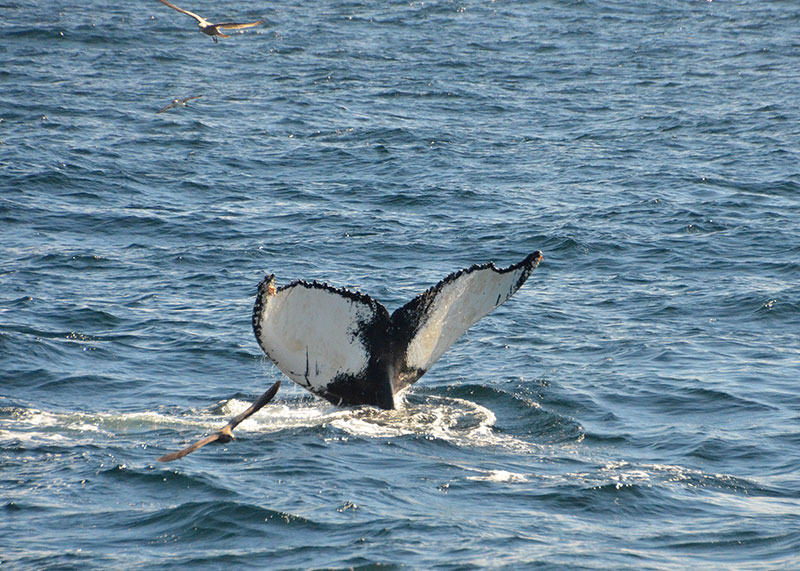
<point>345,347</point>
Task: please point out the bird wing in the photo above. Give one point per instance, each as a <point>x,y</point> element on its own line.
<point>166,108</point>
<point>182,11</point>
<point>199,444</point>
<point>237,25</point>
<point>434,320</point>
<point>190,98</point>
<point>255,407</point>
<point>316,334</point>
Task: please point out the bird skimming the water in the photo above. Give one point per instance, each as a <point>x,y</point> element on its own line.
<point>176,102</point>
<point>210,29</point>
<point>225,434</point>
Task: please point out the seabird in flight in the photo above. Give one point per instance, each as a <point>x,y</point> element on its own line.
<point>176,102</point>
<point>225,435</point>
<point>210,29</point>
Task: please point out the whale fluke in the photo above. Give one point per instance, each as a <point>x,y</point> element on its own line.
<point>225,435</point>
<point>345,347</point>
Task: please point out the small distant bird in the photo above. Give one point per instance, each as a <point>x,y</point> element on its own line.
<point>210,29</point>
<point>225,435</point>
<point>176,102</point>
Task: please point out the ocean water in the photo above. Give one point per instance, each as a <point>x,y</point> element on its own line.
<point>635,405</point>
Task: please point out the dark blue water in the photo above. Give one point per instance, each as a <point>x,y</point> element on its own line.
<point>635,405</point>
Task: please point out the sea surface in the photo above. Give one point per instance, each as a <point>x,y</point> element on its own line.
<point>636,405</point>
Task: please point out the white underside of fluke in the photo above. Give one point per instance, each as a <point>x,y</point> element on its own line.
<point>312,334</point>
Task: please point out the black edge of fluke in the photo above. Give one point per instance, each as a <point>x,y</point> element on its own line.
<point>225,434</point>
<point>267,286</point>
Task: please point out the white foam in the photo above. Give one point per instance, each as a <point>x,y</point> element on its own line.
<point>36,418</point>
<point>500,476</point>
<point>31,427</point>
<point>454,420</point>
<point>27,438</point>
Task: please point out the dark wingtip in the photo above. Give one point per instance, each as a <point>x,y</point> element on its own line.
<point>168,457</point>
<point>189,449</point>
<point>268,395</point>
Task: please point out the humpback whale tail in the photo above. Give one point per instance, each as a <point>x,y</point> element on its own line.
<point>345,347</point>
